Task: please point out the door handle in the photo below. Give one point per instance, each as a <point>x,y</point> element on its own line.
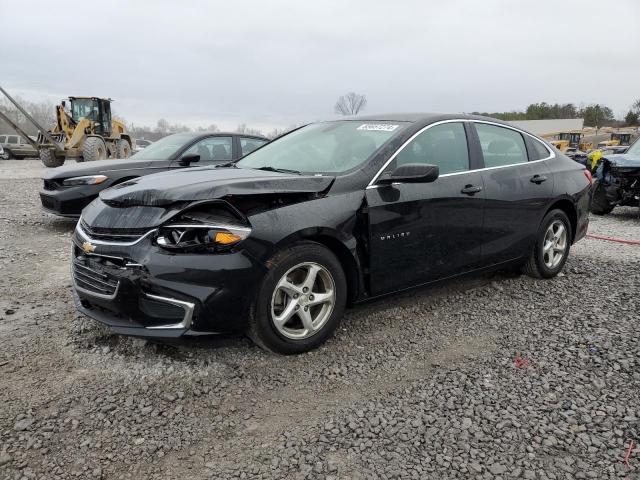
<point>471,189</point>
<point>538,179</point>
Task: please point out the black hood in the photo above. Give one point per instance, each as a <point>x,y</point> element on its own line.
<point>207,183</point>
<point>99,167</point>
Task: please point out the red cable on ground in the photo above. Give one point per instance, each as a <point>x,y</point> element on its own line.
<point>626,457</point>
<point>612,239</point>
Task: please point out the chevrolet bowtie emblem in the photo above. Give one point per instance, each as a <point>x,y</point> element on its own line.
<point>88,247</point>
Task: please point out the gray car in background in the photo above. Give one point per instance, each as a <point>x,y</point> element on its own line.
<point>15,146</point>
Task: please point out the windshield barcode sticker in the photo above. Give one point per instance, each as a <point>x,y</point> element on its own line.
<point>379,127</point>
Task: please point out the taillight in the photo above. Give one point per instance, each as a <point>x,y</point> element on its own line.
<point>587,174</point>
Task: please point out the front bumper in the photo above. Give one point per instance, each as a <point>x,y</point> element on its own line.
<point>136,288</point>
<point>68,202</point>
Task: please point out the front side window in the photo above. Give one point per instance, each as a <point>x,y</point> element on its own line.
<point>248,145</point>
<point>501,146</point>
<point>326,147</point>
<point>443,145</point>
<point>212,149</point>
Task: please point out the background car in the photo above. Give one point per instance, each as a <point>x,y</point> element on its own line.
<point>2,154</point>
<point>617,179</point>
<point>278,243</point>
<point>67,190</point>
<point>15,146</point>
<point>141,144</point>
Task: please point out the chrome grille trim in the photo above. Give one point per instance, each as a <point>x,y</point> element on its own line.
<point>84,235</point>
<point>187,307</point>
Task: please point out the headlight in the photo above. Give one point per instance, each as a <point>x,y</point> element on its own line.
<point>198,237</point>
<point>87,180</point>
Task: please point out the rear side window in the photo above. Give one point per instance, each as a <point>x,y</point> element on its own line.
<point>501,146</point>
<point>248,145</point>
<point>443,145</point>
<point>13,140</point>
<point>538,150</point>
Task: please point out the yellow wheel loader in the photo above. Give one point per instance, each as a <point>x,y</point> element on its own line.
<point>565,140</point>
<point>84,131</point>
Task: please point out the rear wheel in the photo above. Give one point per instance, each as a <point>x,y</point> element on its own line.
<point>301,300</point>
<point>8,155</point>
<point>600,204</point>
<point>552,246</point>
<point>94,148</point>
<point>49,159</point>
<point>123,149</point>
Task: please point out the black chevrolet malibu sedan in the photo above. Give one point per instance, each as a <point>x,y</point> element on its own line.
<point>334,213</point>
<point>67,190</point>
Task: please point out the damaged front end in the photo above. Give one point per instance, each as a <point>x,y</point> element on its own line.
<point>183,261</point>
<point>617,183</point>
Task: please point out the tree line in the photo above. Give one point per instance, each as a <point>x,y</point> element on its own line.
<point>595,114</point>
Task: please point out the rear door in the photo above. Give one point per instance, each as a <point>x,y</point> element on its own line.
<point>517,190</point>
<point>420,232</point>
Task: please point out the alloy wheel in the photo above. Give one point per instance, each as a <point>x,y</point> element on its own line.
<point>555,244</point>
<point>303,301</point>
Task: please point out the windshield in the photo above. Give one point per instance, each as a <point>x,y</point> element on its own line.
<point>635,148</point>
<point>327,147</point>
<point>164,148</point>
<point>84,108</point>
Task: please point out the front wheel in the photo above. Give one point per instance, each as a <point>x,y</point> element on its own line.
<point>123,149</point>
<point>600,204</point>
<point>551,250</point>
<point>49,158</point>
<point>301,300</point>
<point>94,148</point>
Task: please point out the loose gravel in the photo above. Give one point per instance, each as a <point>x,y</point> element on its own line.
<point>494,377</point>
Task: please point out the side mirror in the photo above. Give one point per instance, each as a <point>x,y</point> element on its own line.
<point>411,173</point>
<point>188,159</point>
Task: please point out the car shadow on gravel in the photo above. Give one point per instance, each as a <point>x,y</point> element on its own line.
<point>180,349</point>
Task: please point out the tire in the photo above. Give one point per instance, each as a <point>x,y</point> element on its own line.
<point>48,158</point>
<point>123,149</point>
<point>600,204</point>
<point>8,155</point>
<point>94,148</point>
<point>545,262</point>
<point>294,265</point>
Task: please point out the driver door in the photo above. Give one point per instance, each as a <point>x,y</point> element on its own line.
<point>422,232</point>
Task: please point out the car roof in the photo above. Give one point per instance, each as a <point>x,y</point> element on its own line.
<point>423,117</point>
<point>195,135</point>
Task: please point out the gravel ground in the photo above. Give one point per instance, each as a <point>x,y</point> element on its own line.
<point>490,377</point>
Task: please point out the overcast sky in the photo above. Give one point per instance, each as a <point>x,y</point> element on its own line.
<point>275,63</point>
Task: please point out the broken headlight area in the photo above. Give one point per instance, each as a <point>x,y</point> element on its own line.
<point>203,231</point>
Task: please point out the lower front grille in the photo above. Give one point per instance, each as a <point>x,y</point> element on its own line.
<point>92,281</point>
<point>48,202</point>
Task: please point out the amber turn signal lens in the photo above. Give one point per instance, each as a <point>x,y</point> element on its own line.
<point>227,238</point>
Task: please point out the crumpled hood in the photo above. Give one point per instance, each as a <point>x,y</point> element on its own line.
<point>207,183</point>
<point>624,160</point>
